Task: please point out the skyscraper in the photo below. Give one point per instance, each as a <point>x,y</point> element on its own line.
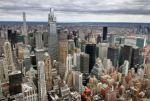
<point>42,95</point>
<point>136,58</point>
<point>113,55</point>
<point>77,81</point>
<point>48,71</point>
<point>39,50</point>
<point>102,49</point>
<point>69,63</point>
<point>25,33</point>
<point>1,70</point>
<point>8,56</point>
<point>91,50</point>
<point>76,60</point>
<point>52,38</point>
<point>125,67</point>
<point>84,63</point>
<point>15,80</point>
<point>63,51</point>
<point>104,33</point>
<point>71,46</point>
<point>125,54</point>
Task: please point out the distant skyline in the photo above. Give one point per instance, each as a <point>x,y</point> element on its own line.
<point>77,10</point>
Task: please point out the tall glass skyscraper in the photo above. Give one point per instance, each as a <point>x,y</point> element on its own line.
<point>52,37</point>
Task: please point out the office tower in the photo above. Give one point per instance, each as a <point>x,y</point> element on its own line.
<point>140,42</point>
<point>48,71</point>
<point>113,55</point>
<point>8,56</point>
<point>136,58</point>
<point>42,95</point>
<point>99,40</point>
<point>84,63</point>
<point>29,91</point>
<point>104,33</point>
<point>25,33</point>
<point>125,54</point>
<point>76,60</point>
<point>63,51</point>
<point>1,69</point>
<point>5,69</point>
<point>69,63</point>
<point>15,81</point>
<point>125,68</point>
<point>77,81</point>
<point>91,50</point>
<point>101,50</point>
<point>71,46</point>
<point>33,60</point>
<point>3,38</point>
<point>1,94</point>
<point>26,61</point>
<point>39,50</point>
<point>52,38</point>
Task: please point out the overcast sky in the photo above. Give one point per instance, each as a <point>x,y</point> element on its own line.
<point>77,10</point>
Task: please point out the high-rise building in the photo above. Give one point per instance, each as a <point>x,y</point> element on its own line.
<point>1,69</point>
<point>63,51</point>
<point>125,54</point>
<point>3,37</point>
<point>101,50</point>
<point>125,68</point>
<point>136,58</point>
<point>29,91</point>
<point>0,90</point>
<point>91,50</point>
<point>84,63</point>
<point>48,71</point>
<point>42,95</point>
<point>26,61</point>
<point>113,55</point>
<point>25,33</point>
<point>52,38</point>
<point>76,60</point>
<point>39,50</point>
<point>104,33</point>
<point>69,63</point>
<point>77,81</point>
<point>15,81</point>
<point>140,42</point>
<point>71,46</point>
<point>8,56</point>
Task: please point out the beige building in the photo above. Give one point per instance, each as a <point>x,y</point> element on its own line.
<point>48,71</point>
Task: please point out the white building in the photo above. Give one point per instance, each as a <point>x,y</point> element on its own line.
<point>8,56</point>
<point>42,95</point>
<point>77,81</point>
<point>29,91</point>
<point>102,50</point>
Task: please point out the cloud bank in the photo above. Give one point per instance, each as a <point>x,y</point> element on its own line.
<point>77,10</point>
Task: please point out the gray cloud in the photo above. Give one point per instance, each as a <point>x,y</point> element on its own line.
<point>78,6</point>
<point>125,7</point>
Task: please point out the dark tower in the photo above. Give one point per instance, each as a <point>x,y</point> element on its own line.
<point>91,50</point>
<point>104,33</point>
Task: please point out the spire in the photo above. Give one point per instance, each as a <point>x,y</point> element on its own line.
<point>25,28</point>
<point>52,12</point>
